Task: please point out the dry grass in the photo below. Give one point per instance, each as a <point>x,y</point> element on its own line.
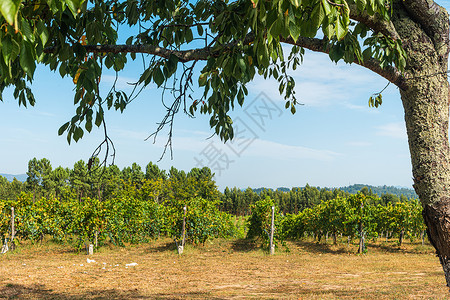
<point>223,270</point>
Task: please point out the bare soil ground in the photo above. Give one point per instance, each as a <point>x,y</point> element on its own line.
<point>223,269</point>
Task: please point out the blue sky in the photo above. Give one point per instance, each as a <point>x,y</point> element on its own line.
<point>333,140</point>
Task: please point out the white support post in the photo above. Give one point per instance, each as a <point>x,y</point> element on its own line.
<point>272,229</point>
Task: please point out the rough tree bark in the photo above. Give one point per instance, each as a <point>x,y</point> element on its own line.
<point>423,27</point>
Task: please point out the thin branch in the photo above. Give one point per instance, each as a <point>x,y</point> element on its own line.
<point>185,25</point>
<point>109,144</point>
<point>380,92</point>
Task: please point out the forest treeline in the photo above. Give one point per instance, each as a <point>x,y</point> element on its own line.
<point>93,181</point>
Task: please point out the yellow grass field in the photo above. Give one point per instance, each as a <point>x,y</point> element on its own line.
<point>223,269</point>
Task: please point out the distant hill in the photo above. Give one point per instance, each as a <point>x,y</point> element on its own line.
<point>380,190</point>
<point>259,190</point>
<point>355,188</point>
<point>20,177</point>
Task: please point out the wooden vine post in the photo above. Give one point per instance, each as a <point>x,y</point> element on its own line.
<point>183,232</point>
<point>272,229</point>
<point>13,230</point>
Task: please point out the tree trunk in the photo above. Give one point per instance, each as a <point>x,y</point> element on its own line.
<point>400,239</point>
<point>426,104</point>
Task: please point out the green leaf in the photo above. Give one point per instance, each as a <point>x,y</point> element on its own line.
<point>326,7</point>
<point>328,29</point>
<point>294,31</point>
<point>74,6</point>
<point>9,9</point>
<point>336,53</point>
<point>295,3</point>
<point>27,61</point>
<point>109,61</point>
<point>240,97</point>
<point>378,100</point>
<point>42,32</point>
<point>62,70</point>
<point>6,49</point>
<point>293,109</point>
<point>27,31</point>
<point>361,4</point>
<point>200,29</point>
<point>188,36</point>
<point>63,128</point>
<point>341,29</point>
<point>78,134</point>
<point>88,125</point>
<point>99,117</point>
<point>276,27</point>
<point>321,15</point>
<point>146,76</point>
<point>158,76</point>
<point>241,64</point>
<point>172,63</point>
<point>202,79</point>
<point>129,40</point>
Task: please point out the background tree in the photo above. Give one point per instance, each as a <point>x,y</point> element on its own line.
<point>79,179</point>
<point>60,177</point>
<point>40,176</point>
<point>133,174</point>
<point>10,190</point>
<point>152,171</point>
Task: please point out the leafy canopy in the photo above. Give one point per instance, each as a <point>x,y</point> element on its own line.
<point>229,41</point>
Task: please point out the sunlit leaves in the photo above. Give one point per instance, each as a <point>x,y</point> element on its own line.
<point>375,100</point>
<point>356,215</point>
<point>386,51</point>
<point>9,10</point>
<point>74,5</point>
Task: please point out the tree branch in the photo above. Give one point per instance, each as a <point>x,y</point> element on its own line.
<point>434,20</point>
<point>182,55</point>
<point>314,44</point>
<point>321,45</point>
<point>374,22</point>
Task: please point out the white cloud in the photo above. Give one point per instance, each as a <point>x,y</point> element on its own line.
<point>240,148</point>
<point>130,134</point>
<point>363,108</point>
<point>44,113</point>
<point>320,82</point>
<point>273,150</point>
<point>359,144</point>
<point>394,130</point>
